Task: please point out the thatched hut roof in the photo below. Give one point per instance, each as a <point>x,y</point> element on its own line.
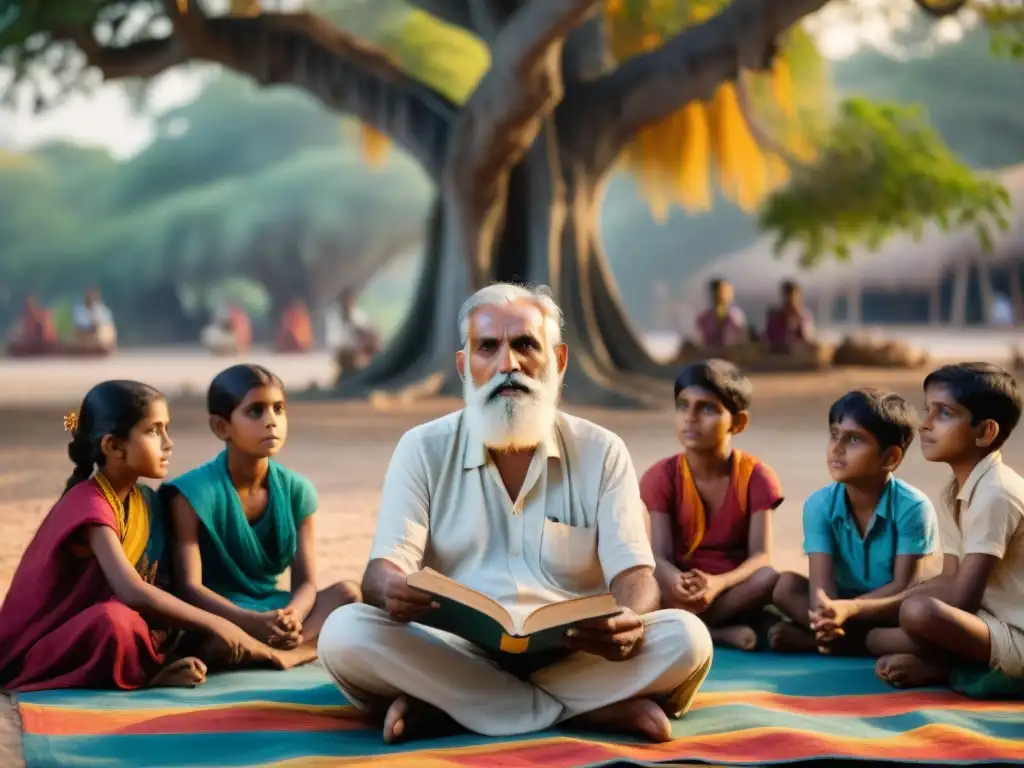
<point>902,263</point>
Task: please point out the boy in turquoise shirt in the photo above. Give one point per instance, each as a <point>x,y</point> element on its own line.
<point>964,628</point>
<point>866,534</point>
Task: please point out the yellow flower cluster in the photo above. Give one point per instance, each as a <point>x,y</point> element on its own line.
<point>676,159</point>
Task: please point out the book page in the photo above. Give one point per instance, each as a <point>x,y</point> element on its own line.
<point>438,584</point>
<point>569,612</point>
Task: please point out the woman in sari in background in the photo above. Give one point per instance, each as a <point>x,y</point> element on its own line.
<point>295,333</point>
<point>35,334</point>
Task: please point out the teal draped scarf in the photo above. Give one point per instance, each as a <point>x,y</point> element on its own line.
<point>242,561</point>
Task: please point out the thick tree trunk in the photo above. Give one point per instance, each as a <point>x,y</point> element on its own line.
<point>420,358</point>
<point>499,156</point>
<point>549,237</point>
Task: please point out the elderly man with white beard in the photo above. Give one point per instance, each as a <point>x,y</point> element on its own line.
<point>529,506</point>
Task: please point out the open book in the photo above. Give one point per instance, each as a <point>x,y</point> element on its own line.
<point>487,623</point>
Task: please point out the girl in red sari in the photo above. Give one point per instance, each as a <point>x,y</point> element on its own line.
<point>84,609</point>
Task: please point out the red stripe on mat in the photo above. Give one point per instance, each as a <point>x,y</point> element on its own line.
<point>935,744</point>
<point>931,743</point>
<point>240,718</point>
<point>57,721</point>
<point>863,705</point>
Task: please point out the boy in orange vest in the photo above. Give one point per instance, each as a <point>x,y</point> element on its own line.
<point>711,507</point>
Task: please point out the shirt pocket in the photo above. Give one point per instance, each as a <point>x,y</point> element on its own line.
<point>569,557</point>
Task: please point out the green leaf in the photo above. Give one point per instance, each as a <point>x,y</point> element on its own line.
<point>882,170</point>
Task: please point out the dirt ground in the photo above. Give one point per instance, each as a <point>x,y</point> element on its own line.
<point>344,449</point>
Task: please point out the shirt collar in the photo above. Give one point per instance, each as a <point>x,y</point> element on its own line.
<point>882,509</point>
<point>980,470</point>
<point>474,452</point>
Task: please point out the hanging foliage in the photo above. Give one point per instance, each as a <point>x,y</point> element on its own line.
<point>375,145</point>
<point>882,170</point>
<point>245,8</point>
<point>677,160</point>
<point>1005,20</point>
<point>235,7</point>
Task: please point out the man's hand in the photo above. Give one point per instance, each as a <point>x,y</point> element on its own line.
<point>403,603</point>
<point>616,638</point>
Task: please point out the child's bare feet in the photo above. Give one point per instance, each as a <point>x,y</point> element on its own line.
<point>904,670</point>
<point>784,637</point>
<point>295,657</point>
<point>636,716</point>
<point>742,637</point>
<point>183,673</point>
<point>408,718</point>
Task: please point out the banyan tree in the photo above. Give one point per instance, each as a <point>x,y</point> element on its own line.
<point>692,95</point>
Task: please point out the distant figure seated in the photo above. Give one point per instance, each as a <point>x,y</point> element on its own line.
<point>34,334</point>
<point>789,327</point>
<point>295,333</point>
<point>95,332</point>
<point>723,324</point>
<point>230,333</point>
<point>351,336</point>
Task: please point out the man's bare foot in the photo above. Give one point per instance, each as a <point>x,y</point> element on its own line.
<point>904,670</point>
<point>784,637</point>
<point>408,718</point>
<point>183,673</point>
<point>742,637</point>
<point>636,716</point>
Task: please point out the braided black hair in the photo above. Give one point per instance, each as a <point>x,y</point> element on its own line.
<point>109,408</point>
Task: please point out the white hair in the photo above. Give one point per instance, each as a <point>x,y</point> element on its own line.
<point>497,294</point>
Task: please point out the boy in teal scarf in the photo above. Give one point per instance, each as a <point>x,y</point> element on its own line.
<point>242,519</point>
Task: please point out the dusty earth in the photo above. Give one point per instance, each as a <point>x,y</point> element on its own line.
<point>344,449</point>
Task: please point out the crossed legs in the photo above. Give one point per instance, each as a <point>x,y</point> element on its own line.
<point>383,665</point>
<point>726,616</point>
<point>792,597</point>
<point>930,636</point>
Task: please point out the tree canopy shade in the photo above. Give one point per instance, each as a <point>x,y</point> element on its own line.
<point>675,89</point>
<point>267,186</point>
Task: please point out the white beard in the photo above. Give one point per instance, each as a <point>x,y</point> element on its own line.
<point>517,422</point>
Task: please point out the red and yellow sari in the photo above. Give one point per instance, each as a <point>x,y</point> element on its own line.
<point>61,626</point>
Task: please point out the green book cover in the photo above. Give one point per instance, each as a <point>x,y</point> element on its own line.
<point>480,629</point>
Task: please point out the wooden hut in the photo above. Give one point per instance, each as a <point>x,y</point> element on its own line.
<point>944,278</point>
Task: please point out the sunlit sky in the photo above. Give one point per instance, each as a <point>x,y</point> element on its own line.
<point>106,119</point>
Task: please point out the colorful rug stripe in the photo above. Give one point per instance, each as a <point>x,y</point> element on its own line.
<point>268,715</point>
<point>754,709</point>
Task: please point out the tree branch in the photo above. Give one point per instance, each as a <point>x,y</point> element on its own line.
<point>651,86</point>
<point>586,54</point>
<point>301,49</point>
<point>502,117</point>
<point>344,72</point>
<point>145,58</point>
